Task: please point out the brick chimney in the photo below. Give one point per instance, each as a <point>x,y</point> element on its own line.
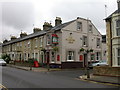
<point>36,30</point>
<point>58,21</point>
<point>23,34</point>
<point>47,26</point>
<point>13,38</point>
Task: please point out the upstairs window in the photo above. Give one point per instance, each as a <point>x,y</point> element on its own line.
<point>41,41</point>
<point>98,42</point>
<point>28,44</point>
<point>79,26</point>
<point>48,39</point>
<point>90,28</point>
<point>118,27</point>
<point>36,42</point>
<point>84,40</point>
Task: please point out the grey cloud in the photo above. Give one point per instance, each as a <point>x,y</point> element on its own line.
<point>92,10</point>
<point>18,14</point>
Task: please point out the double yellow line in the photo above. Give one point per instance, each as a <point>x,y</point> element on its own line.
<point>1,87</point>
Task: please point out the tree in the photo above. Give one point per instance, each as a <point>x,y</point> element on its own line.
<point>6,58</point>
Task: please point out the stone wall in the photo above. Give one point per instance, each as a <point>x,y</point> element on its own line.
<point>106,71</point>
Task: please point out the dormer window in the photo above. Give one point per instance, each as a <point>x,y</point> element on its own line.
<point>79,26</point>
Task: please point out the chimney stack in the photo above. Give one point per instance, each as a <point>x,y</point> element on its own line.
<point>58,21</point>
<point>118,1</point>
<point>23,34</point>
<point>13,38</point>
<point>47,26</point>
<point>36,30</point>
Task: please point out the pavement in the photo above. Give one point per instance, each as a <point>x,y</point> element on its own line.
<point>35,69</point>
<point>102,79</point>
<point>95,78</point>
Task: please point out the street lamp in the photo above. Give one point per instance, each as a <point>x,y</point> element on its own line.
<point>87,65</point>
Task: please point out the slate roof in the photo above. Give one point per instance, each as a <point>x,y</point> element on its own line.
<point>55,28</point>
<point>109,17</point>
<point>26,37</point>
<point>62,25</point>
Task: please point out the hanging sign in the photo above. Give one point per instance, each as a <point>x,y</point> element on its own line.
<point>54,39</point>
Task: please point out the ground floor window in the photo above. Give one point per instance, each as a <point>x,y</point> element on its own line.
<point>36,55</point>
<point>32,55</point>
<point>70,56</point>
<point>25,56</point>
<point>97,55</point>
<point>53,56</point>
<point>92,56</point>
<point>118,56</point>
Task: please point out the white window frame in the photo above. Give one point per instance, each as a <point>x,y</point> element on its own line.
<point>28,44</point>
<point>85,41</point>
<point>36,42</point>
<point>72,55</point>
<point>117,28</point>
<point>41,41</point>
<point>118,56</point>
<point>98,56</point>
<point>52,57</point>
<point>98,42</point>
<point>79,26</point>
<point>48,39</point>
<point>90,28</point>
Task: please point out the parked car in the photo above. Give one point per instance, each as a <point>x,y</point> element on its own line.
<point>100,63</point>
<point>2,62</point>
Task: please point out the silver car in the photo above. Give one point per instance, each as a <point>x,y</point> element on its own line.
<point>2,62</point>
<point>100,63</point>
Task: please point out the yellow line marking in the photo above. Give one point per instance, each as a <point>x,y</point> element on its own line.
<point>98,82</point>
<point>1,86</point>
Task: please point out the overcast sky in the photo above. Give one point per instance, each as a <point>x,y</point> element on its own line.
<point>24,15</point>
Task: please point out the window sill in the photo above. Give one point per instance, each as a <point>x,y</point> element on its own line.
<point>70,60</point>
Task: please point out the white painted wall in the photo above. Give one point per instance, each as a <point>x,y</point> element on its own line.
<point>77,36</point>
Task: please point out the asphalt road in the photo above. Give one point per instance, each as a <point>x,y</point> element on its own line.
<point>17,78</point>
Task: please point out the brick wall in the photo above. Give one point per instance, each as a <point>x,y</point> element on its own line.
<point>106,70</point>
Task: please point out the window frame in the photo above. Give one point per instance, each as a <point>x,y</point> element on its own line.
<point>98,56</point>
<point>85,41</point>
<point>118,56</point>
<point>79,26</point>
<point>90,28</point>
<point>72,55</point>
<point>48,41</point>
<point>98,42</point>
<point>117,27</point>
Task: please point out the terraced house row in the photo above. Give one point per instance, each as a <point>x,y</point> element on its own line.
<point>68,44</point>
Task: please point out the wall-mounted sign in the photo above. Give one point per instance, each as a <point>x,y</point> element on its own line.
<point>70,39</point>
<point>54,38</point>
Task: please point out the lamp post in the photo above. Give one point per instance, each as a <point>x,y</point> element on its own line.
<point>87,65</point>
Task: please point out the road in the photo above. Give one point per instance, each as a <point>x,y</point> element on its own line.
<point>17,78</point>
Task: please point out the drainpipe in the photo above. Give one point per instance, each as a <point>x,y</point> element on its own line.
<point>111,42</point>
